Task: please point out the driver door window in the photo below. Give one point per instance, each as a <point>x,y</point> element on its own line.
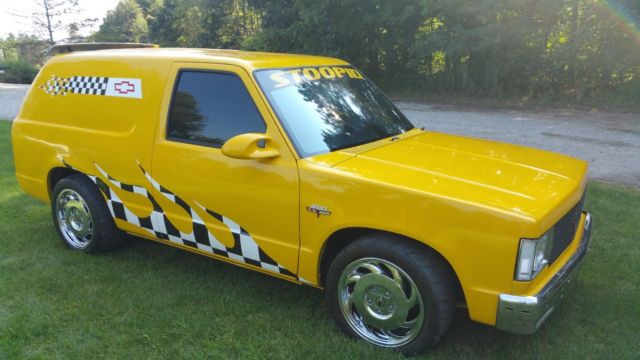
<point>208,108</point>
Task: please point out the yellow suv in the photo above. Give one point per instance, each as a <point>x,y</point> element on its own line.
<point>300,168</point>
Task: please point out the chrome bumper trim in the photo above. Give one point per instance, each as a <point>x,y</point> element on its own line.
<point>525,314</point>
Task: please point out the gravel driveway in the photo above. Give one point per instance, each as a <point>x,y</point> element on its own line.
<point>11,96</point>
<point>609,141</point>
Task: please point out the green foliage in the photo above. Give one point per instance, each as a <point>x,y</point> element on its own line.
<point>185,107</point>
<point>201,23</point>
<point>579,50</point>
<point>18,72</point>
<point>162,17</point>
<point>126,23</point>
<point>26,48</point>
<point>375,35</point>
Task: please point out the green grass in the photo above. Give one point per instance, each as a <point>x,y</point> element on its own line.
<point>148,300</point>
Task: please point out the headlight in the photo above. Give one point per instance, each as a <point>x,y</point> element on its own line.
<point>532,257</point>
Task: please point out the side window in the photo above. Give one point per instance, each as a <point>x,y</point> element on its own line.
<point>208,108</point>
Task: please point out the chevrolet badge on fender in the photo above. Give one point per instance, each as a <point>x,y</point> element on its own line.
<point>318,210</point>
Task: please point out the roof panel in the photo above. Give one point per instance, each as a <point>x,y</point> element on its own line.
<point>248,59</point>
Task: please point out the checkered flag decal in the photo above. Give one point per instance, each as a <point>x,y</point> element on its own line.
<point>91,85</point>
<point>87,85</point>
<point>56,86</point>
<point>245,249</point>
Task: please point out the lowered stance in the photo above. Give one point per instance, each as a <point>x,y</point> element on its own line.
<point>299,167</point>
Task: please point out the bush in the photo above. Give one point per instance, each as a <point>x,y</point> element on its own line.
<point>18,72</point>
<point>623,97</point>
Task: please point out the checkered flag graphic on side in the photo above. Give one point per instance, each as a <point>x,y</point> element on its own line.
<point>244,249</point>
<point>88,85</point>
<point>56,86</point>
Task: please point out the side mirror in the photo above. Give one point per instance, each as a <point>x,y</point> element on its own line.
<point>247,146</point>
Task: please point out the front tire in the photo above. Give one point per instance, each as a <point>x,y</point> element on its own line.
<point>392,293</point>
<point>81,217</point>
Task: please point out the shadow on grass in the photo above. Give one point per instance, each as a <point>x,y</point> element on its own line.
<point>281,293</point>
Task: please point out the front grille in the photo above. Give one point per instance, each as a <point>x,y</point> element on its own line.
<point>564,231</point>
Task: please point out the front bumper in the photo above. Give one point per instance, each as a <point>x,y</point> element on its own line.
<point>525,314</point>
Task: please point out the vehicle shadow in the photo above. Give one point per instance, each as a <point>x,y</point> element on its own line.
<point>465,337</point>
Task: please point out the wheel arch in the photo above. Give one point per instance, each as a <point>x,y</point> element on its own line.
<point>341,238</point>
<point>56,174</point>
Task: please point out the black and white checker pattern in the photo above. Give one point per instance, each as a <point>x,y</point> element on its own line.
<point>56,86</point>
<point>245,249</point>
<point>87,85</point>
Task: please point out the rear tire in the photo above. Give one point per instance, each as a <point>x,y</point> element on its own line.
<point>81,217</point>
<point>392,293</point>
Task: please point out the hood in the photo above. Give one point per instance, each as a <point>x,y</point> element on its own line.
<point>528,181</point>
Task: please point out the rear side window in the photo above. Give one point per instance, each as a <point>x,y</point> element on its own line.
<point>209,108</point>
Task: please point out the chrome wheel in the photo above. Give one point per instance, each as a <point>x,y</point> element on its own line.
<point>74,219</point>
<point>380,302</point>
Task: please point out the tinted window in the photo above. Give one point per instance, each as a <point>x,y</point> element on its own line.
<point>329,108</point>
<point>209,108</point>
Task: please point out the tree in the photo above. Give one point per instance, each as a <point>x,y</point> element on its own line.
<point>126,23</point>
<point>200,23</point>
<point>162,18</point>
<point>23,47</point>
<point>51,16</point>
<point>521,49</point>
<point>376,35</point>
<point>187,120</point>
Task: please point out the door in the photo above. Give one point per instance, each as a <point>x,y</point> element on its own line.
<point>242,210</point>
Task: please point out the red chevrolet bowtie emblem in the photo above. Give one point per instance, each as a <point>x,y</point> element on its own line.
<point>124,87</point>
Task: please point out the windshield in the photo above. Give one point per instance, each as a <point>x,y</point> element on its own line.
<point>329,108</point>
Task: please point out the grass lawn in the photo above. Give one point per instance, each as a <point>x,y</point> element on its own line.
<point>148,300</point>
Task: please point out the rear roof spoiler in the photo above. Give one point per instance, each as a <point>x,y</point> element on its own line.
<point>73,47</point>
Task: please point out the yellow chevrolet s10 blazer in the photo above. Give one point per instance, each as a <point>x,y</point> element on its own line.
<point>300,168</point>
